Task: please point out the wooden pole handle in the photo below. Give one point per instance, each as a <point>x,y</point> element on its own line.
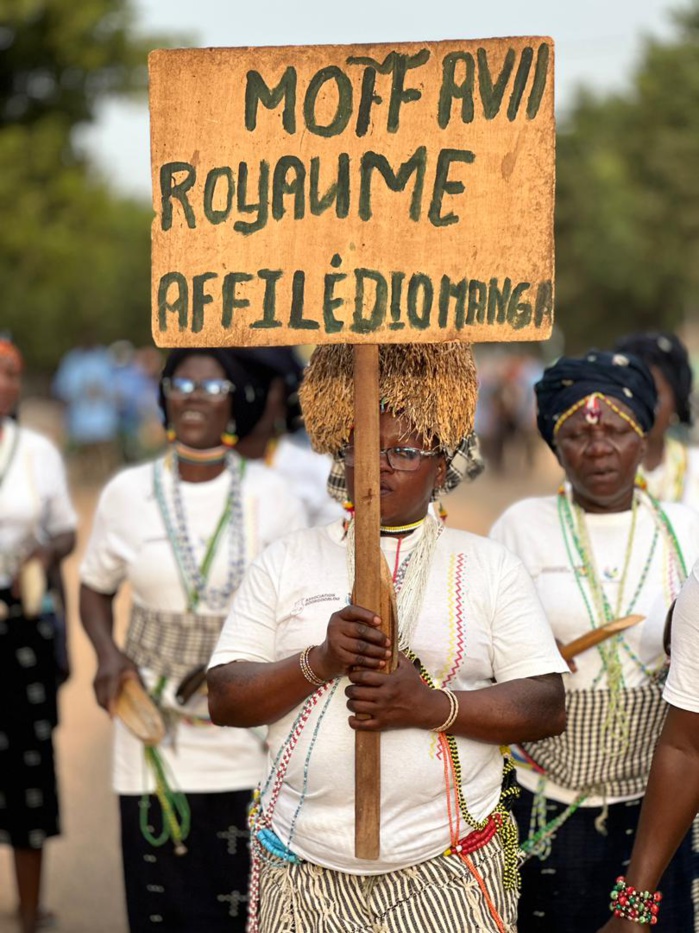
<point>367,582</point>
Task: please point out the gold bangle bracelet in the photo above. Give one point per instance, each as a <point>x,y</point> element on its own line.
<point>453,710</point>
<point>307,670</point>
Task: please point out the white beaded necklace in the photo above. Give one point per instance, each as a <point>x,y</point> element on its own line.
<point>411,593</point>
<point>195,578</point>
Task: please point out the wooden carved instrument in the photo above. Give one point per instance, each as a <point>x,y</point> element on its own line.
<point>139,713</point>
<point>598,635</point>
<point>32,587</point>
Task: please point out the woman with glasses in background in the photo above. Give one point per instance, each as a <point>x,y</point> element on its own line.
<point>181,531</point>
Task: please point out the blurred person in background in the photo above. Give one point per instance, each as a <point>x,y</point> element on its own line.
<point>670,467</point>
<point>137,400</point>
<point>279,436</point>
<point>181,531</point>
<point>151,438</point>
<point>505,416</point>
<point>85,383</point>
<point>600,550</point>
<point>37,532</point>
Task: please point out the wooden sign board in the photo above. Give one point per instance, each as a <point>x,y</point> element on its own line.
<point>354,194</point>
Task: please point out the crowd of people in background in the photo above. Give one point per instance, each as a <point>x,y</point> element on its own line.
<point>109,396</point>
<point>235,537</point>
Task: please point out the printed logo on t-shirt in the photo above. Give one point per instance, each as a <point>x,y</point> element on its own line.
<point>301,604</point>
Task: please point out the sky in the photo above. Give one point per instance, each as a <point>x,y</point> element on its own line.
<point>598,43</point>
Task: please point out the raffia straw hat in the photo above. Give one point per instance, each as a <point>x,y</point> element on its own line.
<point>433,385</point>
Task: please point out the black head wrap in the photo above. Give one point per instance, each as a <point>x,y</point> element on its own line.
<point>248,397</point>
<point>270,363</point>
<point>669,354</point>
<point>620,375</point>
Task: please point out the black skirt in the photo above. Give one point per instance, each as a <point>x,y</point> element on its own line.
<point>28,795</point>
<point>569,891</point>
<point>207,888</point>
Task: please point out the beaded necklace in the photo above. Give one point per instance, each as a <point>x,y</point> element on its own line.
<point>187,454</point>
<point>577,543</point>
<point>414,574</point>
<point>263,840</point>
<point>501,814</point>
<point>401,529</point>
<point>195,578</point>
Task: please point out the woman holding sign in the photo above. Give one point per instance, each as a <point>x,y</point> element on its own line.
<point>601,551</point>
<point>181,531</point>
<point>477,668</point>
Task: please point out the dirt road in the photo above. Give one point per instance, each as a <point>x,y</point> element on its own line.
<point>83,870</point>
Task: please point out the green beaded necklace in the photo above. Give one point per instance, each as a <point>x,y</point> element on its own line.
<point>600,611</point>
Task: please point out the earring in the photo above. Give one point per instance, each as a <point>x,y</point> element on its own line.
<point>229,438</point>
<point>170,434</point>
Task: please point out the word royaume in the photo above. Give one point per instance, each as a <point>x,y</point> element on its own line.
<point>249,194</point>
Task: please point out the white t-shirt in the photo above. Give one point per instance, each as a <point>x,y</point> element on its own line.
<point>480,621</point>
<point>307,474</point>
<point>682,687</point>
<point>129,543</point>
<point>34,500</point>
<point>676,479</point>
<point>532,530</point>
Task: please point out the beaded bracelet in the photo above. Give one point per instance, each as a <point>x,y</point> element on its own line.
<point>307,670</point>
<point>638,906</point>
<point>453,710</point>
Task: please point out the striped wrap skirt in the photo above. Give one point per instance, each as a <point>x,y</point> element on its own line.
<point>442,895</point>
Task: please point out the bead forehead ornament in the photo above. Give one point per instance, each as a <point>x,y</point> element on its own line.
<point>593,410</point>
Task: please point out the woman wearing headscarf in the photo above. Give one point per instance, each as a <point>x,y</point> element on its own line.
<point>279,437</point>
<point>477,667</point>
<point>37,532</point>
<point>181,531</point>
<point>600,550</point>
<point>670,467</point>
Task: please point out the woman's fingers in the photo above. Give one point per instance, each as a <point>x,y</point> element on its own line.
<point>353,639</point>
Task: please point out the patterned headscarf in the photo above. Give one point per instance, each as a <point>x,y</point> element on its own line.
<point>669,354</point>
<point>570,380</point>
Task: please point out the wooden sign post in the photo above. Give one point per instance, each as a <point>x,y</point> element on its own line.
<point>367,194</point>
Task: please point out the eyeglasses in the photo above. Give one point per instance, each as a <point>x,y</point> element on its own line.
<point>401,459</point>
<point>179,386</point>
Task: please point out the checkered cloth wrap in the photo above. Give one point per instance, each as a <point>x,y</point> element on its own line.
<point>171,643</point>
<point>465,462</point>
<point>580,758</point>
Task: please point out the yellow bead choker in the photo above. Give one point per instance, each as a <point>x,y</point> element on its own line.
<point>400,529</point>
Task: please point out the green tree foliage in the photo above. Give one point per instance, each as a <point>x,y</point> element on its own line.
<point>627,214</point>
<point>74,257</point>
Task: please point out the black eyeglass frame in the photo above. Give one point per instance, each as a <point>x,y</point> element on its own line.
<point>347,455</point>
